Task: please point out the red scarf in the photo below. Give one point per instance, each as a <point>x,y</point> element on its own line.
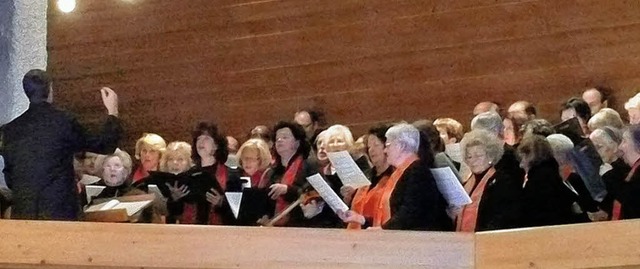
<point>288,178</point>
<point>139,174</point>
<point>190,210</point>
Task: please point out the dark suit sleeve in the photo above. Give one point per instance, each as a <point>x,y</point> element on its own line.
<point>104,143</point>
<point>417,198</point>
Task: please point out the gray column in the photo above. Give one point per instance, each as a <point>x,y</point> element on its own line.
<point>23,46</point>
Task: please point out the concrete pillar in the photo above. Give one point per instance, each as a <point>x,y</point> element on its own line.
<point>23,46</point>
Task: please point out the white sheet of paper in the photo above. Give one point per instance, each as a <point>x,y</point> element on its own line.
<point>348,171</point>
<point>327,194</point>
<point>103,206</point>
<point>454,151</point>
<point>93,191</point>
<point>450,187</point>
<point>89,179</point>
<point>234,199</point>
<point>153,188</point>
<point>132,207</point>
<point>247,184</point>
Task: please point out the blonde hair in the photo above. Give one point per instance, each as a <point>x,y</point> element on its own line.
<point>633,102</point>
<point>605,117</point>
<point>179,147</point>
<point>341,129</point>
<point>263,151</point>
<point>151,140</point>
<point>124,157</point>
<point>452,127</point>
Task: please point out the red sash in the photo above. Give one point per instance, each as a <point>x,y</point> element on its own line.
<point>288,178</point>
<point>139,174</point>
<point>189,213</point>
<point>469,217</point>
<point>616,213</point>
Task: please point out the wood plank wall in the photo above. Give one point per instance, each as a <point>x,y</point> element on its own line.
<point>248,62</point>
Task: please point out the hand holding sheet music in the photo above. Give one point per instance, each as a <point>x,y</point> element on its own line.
<point>327,194</point>
<point>348,171</point>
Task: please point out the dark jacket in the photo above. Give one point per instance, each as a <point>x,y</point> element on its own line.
<point>39,148</point>
<point>614,181</point>
<point>299,186</point>
<point>629,197</point>
<point>581,197</point>
<point>544,197</point>
<point>500,206</point>
<point>510,164</point>
<point>416,203</point>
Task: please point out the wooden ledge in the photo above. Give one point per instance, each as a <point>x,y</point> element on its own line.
<point>52,244</point>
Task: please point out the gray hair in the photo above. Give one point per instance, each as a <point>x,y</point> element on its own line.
<point>406,135</point>
<point>561,145</point>
<point>612,137</point>
<point>494,147</point>
<point>489,121</point>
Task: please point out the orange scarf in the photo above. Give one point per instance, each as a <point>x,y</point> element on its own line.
<point>383,213</point>
<point>469,216</point>
<point>288,179</point>
<point>365,201</point>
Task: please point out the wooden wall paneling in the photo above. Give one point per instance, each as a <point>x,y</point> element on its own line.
<point>254,62</point>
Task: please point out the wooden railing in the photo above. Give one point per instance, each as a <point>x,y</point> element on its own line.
<point>30,244</point>
<point>48,244</point>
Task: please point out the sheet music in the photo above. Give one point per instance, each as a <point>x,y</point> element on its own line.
<point>103,206</point>
<point>348,171</point>
<point>450,187</point>
<point>454,151</point>
<point>93,191</point>
<point>132,207</point>
<point>89,179</point>
<point>234,199</point>
<point>327,194</point>
<point>153,188</point>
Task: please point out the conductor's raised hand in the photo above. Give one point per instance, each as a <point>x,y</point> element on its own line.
<point>110,100</point>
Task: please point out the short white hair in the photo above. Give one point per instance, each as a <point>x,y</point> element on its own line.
<point>406,135</point>
<point>489,121</point>
<point>561,145</point>
<point>634,102</point>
